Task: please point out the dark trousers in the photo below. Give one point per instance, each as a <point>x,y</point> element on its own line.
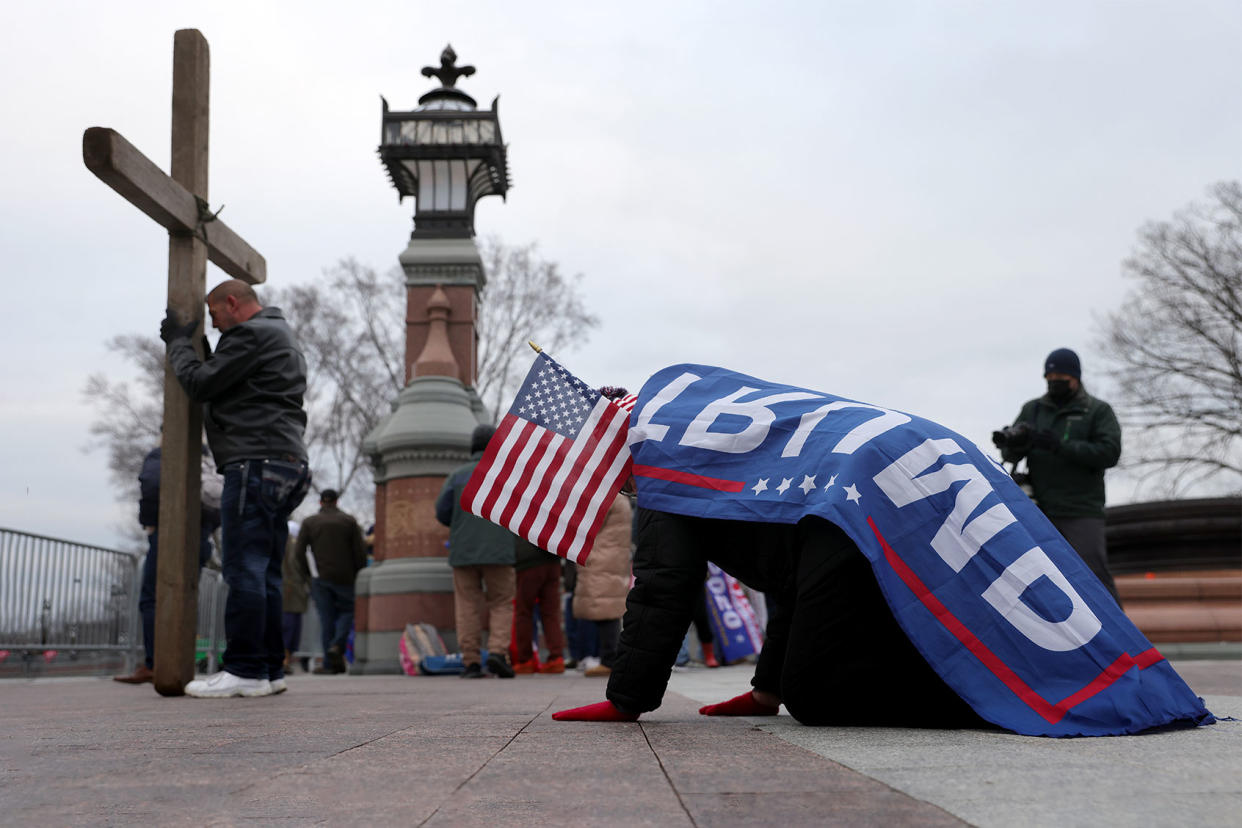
<point>291,629</point>
<point>582,638</point>
<point>1086,535</point>
<point>146,597</point>
<point>609,631</point>
<point>539,585</point>
<point>258,497</point>
<point>702,627</point>
<point>836,656</point>
<point>335,605</point>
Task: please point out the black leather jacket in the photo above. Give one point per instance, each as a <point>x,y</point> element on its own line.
<point>251,388</point>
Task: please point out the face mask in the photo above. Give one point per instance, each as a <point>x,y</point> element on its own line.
<point>1059,389</point>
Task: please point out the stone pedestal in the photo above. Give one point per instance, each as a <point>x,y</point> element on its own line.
<point>415,449</point>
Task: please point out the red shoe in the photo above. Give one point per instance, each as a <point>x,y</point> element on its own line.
<point>553,665</point>
<point>524,668</point>
<point>709,656</point>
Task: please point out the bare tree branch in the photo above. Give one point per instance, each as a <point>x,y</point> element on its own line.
<point>1175,347</point>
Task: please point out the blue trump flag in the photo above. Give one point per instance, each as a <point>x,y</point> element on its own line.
<point>993,597</point>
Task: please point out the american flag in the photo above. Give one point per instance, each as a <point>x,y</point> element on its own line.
<point>557,460</point>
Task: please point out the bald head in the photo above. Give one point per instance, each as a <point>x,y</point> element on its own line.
<point>231,303</point>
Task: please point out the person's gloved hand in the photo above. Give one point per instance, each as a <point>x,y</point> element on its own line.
<point>173,328</point>
<point>1045,440</point>
<point>743,705</point>
<point>604,711</point>
<point>998,439</point>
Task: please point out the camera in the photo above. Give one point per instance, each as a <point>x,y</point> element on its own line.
<point>1016,436</point>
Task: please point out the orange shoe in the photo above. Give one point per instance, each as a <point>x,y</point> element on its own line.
<point>553,665</point>
<point>524,668</point>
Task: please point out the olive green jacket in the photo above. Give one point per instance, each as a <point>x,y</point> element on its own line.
<point>473,541</point>
<point>1069,482</point>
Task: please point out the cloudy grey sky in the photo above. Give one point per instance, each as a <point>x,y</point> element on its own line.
<point>904,203</point>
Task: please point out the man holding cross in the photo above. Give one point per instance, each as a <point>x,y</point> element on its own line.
<point>251,389</point>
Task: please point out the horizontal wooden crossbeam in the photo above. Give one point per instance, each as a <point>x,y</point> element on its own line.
<point>120,165</point>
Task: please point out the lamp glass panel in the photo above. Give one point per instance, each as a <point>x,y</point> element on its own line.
<point>426,185</point>
<point>441,174</point>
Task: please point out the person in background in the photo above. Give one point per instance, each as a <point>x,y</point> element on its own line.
<point>538,583</point>
<point>604,581</point>
<point>295,598</point>
<point>580,636</point>
<point>335,539</point>
<point>252,390</point>
<point>1068,438</point>
<point>481,555</point>
<point>149,518</point>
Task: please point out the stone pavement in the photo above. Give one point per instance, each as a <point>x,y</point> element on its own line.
<point>441,751</point>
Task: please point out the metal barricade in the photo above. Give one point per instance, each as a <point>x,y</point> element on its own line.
<point>212,593</point>
<point>61,596</point>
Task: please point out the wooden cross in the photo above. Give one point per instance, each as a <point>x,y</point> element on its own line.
<point>179,203</point>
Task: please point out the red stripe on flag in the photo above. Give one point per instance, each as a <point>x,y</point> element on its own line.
<point>585,445</point>
<point>521,488</point>
<point>489,456</point>
<point>599,463</point>
<point>598,493</point>
<point>506,464</point>
<point>1052,713</point>
<point>715,483</point>
<point>1100,683</point>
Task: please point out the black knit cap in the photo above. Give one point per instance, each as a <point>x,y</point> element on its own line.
<point>1063,361</point>
<point>480,437</point>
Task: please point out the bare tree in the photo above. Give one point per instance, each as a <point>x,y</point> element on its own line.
<point>351,325</point>
<point>526,298</point>
<point>129,418</point>
<point>1175,347</point>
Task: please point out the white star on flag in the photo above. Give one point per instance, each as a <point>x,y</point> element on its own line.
<point>832,481</point>
<point>808,484</point>
<point>784,487</point>
<point>851,493</point>
<point>761,486</point>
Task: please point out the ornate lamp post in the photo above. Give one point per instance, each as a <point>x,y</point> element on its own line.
<point>446,154</point>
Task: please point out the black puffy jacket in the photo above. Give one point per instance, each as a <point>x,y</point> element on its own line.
<point>252,389</point>
<point>670,565</point>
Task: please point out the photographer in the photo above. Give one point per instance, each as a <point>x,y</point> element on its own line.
<point>1068,439</point>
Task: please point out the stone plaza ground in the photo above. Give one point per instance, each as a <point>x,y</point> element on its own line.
<point>392,750</point>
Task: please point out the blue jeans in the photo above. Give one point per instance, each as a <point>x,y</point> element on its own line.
<point>146,596</point>
<point>258,497</point>
<point>335,604</point>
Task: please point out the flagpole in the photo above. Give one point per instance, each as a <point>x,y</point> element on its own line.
<point>538,350</point>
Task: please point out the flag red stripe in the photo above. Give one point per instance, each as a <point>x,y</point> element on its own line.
<point>715,483</point>
<point>476,480</point>
<point>600,515</point>
<point>1052,713</point>
<point>599,463</point>
<point>564,485</point>
<point>521,493</point>
<point>511,448</point>
<point>538,485</point>
<point>599,492</point>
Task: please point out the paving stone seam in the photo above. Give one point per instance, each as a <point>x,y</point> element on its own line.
<point>482,765</point>
<point>667,778</point>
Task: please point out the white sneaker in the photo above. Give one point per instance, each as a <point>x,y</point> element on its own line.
<point>225,685</point>
<point>279,686</point>
<point>587,663</point>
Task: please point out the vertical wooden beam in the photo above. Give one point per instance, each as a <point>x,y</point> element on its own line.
<point>176,602</point>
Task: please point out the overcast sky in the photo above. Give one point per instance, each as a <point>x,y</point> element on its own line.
<point>908,204</point>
